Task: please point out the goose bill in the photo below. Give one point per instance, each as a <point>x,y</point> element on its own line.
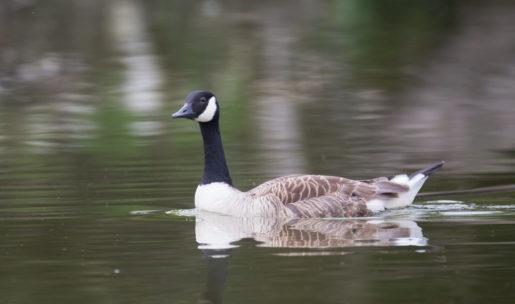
<point>185,112</point>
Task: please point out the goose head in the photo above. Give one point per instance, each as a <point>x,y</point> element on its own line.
<point>200,106</point>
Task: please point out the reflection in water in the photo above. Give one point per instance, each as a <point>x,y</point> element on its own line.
<point>216,263</point>
<point>142,85</point>
<point>363,108</point>
<point>464,93</point>
<point>217,233</point>
<point>280,127</point>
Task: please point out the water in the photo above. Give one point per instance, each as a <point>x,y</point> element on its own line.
<point>96,181</point>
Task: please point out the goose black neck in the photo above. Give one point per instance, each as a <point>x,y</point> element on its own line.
<point>215,166</point>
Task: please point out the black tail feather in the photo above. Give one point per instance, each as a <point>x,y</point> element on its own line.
<point>429,169</point>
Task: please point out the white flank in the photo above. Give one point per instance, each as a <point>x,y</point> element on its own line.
<point>209,112</point>
<point>375,205</point>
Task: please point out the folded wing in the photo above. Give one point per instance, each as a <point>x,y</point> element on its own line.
<point>326,196</point>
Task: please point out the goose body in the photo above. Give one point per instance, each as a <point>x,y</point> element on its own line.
<point>292,196</point>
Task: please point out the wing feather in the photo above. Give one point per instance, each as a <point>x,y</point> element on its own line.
<point>325,196</point>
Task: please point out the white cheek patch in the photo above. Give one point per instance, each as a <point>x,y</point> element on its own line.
<point>209,112</point>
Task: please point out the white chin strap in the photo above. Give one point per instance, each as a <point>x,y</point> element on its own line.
<point>209,112</point>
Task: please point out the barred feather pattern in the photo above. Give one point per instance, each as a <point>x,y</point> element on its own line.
<point>308,196</point>
<point>316,233</point>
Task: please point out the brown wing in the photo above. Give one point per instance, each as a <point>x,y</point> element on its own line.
<point>294,188</point>
<point>330,205</point>
<point>323,196</point>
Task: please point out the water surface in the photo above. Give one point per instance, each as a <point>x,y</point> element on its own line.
<point>97,183</point>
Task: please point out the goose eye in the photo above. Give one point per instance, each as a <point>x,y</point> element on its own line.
<point>203,99</point>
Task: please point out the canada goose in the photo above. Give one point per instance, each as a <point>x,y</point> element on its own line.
<point>292,196</point>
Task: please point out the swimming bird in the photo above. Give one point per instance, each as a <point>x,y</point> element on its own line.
<point>291,196</point>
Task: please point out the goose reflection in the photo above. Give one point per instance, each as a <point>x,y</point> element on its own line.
<point>216,235</point>
<point>215,231</point>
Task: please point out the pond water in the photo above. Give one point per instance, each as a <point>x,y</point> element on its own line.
<point>97,182</point>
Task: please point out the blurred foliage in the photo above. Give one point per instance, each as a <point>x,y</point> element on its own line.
<point>381,39</point>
